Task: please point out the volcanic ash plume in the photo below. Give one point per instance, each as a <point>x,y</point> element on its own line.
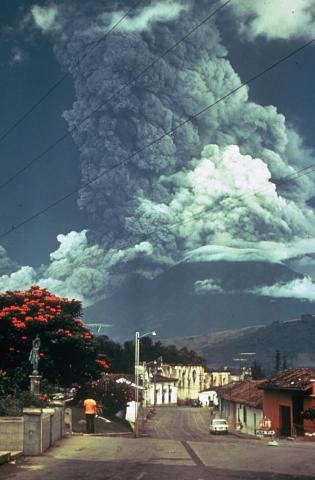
<point>180,175</point>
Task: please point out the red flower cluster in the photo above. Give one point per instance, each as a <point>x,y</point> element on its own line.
<point>34,305</point>
<point>102,363</point>
<point>87,336</point>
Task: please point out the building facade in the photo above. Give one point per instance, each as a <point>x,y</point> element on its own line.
<point>286,397</point>
<point>241,403</point>
<point>161,391</point>
<point>190,380</point>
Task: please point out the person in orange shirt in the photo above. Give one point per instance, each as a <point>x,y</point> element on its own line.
<point>90,411</point>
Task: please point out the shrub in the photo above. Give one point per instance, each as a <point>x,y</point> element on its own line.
<point>12,405</point>
<point>309,414</point>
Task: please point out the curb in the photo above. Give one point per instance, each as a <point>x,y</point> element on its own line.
<point>108,434</point>
<point>7,456</point>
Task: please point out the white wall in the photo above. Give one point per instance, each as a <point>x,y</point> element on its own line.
<point>131,411</point>
<point>249,422</point>
<point>169,397</point>
<point>208,395</point>
<point>191,379</point>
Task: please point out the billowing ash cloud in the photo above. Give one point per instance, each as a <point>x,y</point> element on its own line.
<point>280,19</point>
<point>303,289</point>
<point>79,270</point>
<point>158,12</point>
<point>44,17</point>
<point>6,264</point>
<point>263,251</point>
<point>236,199</point>
<point>222,163</point>
<point>19,280</point>
<point>207,286</point>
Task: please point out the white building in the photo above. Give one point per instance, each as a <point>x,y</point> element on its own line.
<point>190,380</point>
<point>161,391</point>
<point>208,397</point>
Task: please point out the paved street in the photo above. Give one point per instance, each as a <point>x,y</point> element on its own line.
<point>148,458</point>
<point>184,423</point>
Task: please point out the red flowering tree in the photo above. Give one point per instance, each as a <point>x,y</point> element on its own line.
<point>68,351</point>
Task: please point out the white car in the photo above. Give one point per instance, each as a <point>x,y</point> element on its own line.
<point>219,425</point>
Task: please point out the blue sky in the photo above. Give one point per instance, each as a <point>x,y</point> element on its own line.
<point>41,41</point>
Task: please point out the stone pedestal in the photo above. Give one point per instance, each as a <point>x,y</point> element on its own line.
<point>32,444</point>
<point>35,384</point>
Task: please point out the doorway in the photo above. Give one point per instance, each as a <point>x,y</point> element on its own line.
<point>285,421</point>
<point>298,407</point>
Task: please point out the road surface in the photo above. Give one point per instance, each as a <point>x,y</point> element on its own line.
<point>184,423</point>
<point>191,454</point>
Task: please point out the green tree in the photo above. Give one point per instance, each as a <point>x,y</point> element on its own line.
<point>277,362</point>
<point>121,358</point>
<point>257,371</point>
<point>284,365</point>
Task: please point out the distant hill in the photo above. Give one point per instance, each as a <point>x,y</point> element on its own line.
<point>295,339</point>
<point>169,303</point>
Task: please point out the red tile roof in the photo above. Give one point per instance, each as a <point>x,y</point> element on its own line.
<point>291,379</point>
<point>246,393</point>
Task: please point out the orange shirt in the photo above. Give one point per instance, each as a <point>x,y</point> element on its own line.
<point>89,406</point>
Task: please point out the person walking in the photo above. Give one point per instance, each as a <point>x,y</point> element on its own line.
<point>90,411</point>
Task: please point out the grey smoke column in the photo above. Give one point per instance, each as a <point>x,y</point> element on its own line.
<point>192,76</point>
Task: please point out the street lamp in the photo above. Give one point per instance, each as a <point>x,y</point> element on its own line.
<point>137,360</point>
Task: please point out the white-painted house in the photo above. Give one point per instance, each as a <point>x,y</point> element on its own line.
<point>208,398</point>
<point>161,391</point>
<point>241,404</point>
<point>190,380</point>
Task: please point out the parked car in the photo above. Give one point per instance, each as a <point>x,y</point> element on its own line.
<point>195,402</point>
<point>219,425</point>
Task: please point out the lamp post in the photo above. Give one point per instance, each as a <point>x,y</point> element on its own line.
<point>137,362</point>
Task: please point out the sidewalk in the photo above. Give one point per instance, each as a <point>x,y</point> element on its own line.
<point>115,426</point>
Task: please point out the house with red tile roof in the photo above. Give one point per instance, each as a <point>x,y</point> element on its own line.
<point>241,403</point>
<point>288,400</point>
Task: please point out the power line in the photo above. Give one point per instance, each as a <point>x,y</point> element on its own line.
<point>307,170</point>
<point>90,47</point>
<point>204,210</point>
<point>114,95</point>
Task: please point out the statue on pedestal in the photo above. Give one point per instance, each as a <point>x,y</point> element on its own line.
<point>34,354</point>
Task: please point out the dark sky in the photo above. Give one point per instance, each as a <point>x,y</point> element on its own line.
<point>22,84</point>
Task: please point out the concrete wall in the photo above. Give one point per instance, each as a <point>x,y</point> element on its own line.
<point>34,432</point>
<point>46,430</point>
<point>11,433</point>
<point>56,426</point>
<point>42,428</point>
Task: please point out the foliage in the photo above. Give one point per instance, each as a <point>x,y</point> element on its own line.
<point>309,414</point>
<point>68,354</point>
<point>257,371</point>
<point>110,396</point>
<point>121,358</point>
<point>12,405</point>
<point>277,362</point>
